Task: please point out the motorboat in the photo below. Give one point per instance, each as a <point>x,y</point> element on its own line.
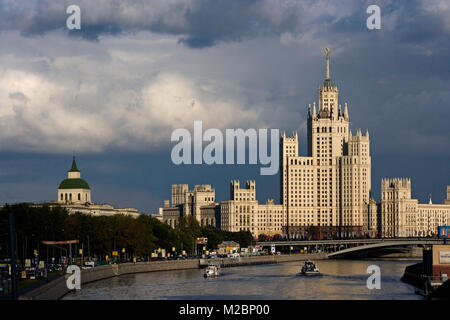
<point>309,268</point>
<point>212,270</point>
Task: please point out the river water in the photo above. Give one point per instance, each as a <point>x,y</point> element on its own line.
<point>340,279</point>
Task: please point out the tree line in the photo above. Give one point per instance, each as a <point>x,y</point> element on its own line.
<point>103,234</point>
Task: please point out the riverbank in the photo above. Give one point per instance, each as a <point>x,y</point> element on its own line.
<point>57,288</point>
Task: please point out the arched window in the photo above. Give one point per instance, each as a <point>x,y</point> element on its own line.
<point>79,196</point>
<point>70,196</point>
<point>65,196</point>
<point>62,196</point>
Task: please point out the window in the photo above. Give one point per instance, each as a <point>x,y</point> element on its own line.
<point>79,196</point>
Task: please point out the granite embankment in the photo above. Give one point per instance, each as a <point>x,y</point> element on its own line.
<point>57,288</point>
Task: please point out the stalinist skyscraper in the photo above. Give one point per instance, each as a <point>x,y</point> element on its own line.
<point>329,188</point>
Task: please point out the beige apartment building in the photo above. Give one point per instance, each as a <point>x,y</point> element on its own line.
<point>243,212</point>
<point>402,216</point>
<point>199,203</point>
<point>326,192</point>
<point>330,187</point>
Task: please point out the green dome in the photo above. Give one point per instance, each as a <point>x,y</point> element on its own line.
<point>77,183</point>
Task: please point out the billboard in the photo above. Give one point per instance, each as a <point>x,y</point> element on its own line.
<point>444,231</point>
<point>444,257</point>
<point>61,242</point>
<point>202,240</point>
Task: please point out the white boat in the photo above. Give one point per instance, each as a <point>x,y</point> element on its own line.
<point>212,270</point>
<point>309,268</point>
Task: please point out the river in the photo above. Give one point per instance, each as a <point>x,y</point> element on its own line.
<point>340,279</point>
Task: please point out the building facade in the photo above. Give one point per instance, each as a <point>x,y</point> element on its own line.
<point>198,203</point>
<point>328,188</point>
<point>403,216</point>
<point>74,194</point>
<point>74,190</point>
<point>243,212</point>
<point>325,192</point>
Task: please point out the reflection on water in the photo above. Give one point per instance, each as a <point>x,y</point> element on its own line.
<point>340,279</point>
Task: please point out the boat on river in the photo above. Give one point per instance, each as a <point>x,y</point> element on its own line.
<point>212,270</point>
<point>309,268</point>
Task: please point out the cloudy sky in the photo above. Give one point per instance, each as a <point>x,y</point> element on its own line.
<point>113,92</point>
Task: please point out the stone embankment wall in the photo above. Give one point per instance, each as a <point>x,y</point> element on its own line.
<point>58,287</point>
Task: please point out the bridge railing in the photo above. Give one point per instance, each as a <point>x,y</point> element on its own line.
<point>344,241</point>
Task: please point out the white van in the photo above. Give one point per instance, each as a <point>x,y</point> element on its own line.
<point>89,265</point>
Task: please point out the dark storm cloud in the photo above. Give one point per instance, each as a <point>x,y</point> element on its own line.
<point>264,58</point>
<point>197,42</point>
<point>204,23</point>
<point>396,66</point>
<point>200,22</point>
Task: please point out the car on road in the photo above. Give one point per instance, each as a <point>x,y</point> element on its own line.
<point>88,265</point>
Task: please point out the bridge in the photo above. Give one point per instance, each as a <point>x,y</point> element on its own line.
<point>338,248</point>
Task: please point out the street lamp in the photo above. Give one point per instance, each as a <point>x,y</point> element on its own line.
<point>89,251</point>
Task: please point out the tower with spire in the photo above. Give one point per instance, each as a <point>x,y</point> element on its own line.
<point>74,189</point>
<point>330,186</point>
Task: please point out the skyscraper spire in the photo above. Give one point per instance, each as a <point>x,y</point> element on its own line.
<point>327,52</point>
<point>327,82</point>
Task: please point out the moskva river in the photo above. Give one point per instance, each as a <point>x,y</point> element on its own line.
<point>340,279</point>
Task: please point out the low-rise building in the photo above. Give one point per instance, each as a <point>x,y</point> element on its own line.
<point>198,203</point>
<point>228,247</point>
<point>74,194</point>
<point>402,216</point>
<point>103,209</point>
<point>241,213</point>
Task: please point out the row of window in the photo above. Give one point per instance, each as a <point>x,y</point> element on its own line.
<point>68,197</point>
